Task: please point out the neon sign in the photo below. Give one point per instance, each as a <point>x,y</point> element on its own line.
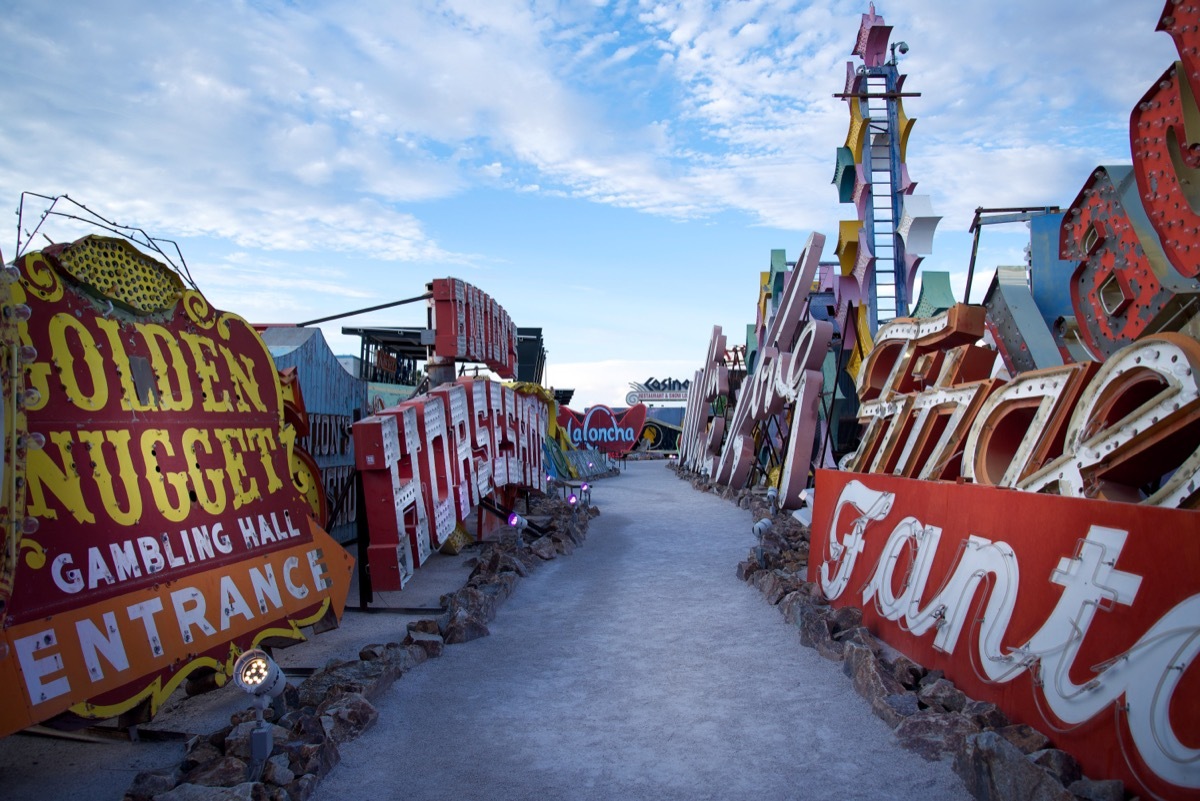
<point>655,389</point>
<point>427,462</point>
<point>600,428</point>
<point>154,524</point>
<point>1084,629</point>
<point>471,326</point>
<point>788,371</point>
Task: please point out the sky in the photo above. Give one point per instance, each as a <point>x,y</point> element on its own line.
<point>615,172</point>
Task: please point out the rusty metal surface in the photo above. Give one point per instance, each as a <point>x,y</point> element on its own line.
<point>334,399</point>
<point>1123,287</point>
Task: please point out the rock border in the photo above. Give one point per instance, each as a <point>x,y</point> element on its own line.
<point>996,759</point>
<point>335,705</point>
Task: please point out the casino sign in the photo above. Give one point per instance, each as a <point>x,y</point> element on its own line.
<point>654,389</point>
<point>154,508</point>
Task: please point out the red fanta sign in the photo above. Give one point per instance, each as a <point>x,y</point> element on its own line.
<point>600,428</point>
<point>1078,617</point>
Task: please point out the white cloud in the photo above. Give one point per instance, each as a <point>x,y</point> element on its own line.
<point>376,104</point>
<point>349,133</point>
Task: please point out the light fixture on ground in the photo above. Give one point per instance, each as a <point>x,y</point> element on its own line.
<point>761,527</point>
<point>773,499</point>
<point>518,524</point>
<point>256,674</point>
<point>805,513</point>
<point>585,494</point>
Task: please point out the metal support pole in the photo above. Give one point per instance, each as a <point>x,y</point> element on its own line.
<point>426,296</point>
<point>365,593</point>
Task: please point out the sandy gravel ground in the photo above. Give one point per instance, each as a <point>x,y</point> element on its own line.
<point>637,668</point>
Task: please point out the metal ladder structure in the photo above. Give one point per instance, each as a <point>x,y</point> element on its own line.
<point>881,157</point>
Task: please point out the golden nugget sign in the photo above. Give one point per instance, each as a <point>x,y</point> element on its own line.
<point>153,523</point>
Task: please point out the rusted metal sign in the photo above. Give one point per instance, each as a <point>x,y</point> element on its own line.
<point>471,326</point>
<point>153,525</point>
<point>427,462</point>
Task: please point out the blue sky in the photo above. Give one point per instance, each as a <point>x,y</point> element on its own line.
<point>613,172</point>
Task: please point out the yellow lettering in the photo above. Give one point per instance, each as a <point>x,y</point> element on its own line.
<point>130,401</point>
<point>154,441</point>
<point>43,474</point>
<point>244,383</point>
<point>168,399</point>
<point>94,440</point>
<point>243,492</point>
<point>203,352</point>
<point>64,356</point>
<point>212,502</point>
<point>264,440</point>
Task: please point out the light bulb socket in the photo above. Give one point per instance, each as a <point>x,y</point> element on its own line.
<point>34,439</point>
<point>19,311</point>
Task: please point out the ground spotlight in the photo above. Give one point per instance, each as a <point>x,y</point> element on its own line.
<point>572,499</point>
<point>257,674</point>
<point>773,499</point>
<point>518,524</point>
<point>761,527</point>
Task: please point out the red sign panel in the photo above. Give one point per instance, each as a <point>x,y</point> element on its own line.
<point>470,326</point>
<point>1078,617</point>
<point>600,428</point>
<point>427,462</point>
<point>152,523</point>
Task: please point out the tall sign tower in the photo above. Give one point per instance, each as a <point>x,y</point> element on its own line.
<point>883,248</point>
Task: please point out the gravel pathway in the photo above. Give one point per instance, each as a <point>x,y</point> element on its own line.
<point>637,668</point>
